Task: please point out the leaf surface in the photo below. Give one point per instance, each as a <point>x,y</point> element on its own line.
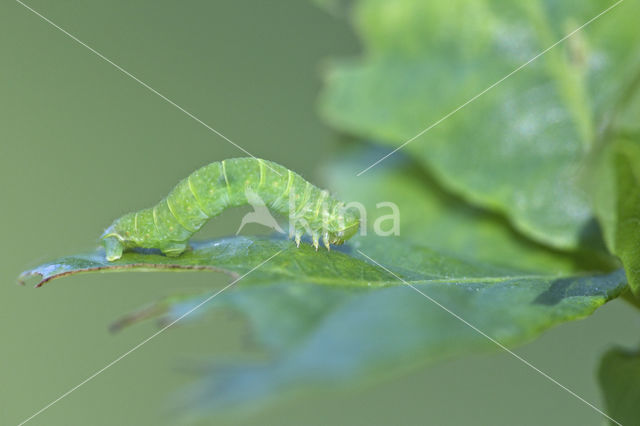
<point>617,195</point>
<point>324,318</point>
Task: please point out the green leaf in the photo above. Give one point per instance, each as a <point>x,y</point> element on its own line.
<point>366,334</point>
<point>619,375</point>
<point>327,317</point>
<point>434,218</point>
<point>234,256</point>
<point>517,149</point>
<point>617,195</point>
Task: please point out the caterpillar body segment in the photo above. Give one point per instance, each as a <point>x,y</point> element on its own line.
<point>208,191</point>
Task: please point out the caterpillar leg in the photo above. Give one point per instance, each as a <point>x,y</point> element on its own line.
<point>315,238</point>
<point>325,241</point>
<point>113,248</point>
<point>173,249</point>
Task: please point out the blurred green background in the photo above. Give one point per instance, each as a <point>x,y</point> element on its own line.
<point>81,143</point>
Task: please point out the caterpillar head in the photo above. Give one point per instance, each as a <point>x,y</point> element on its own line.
<point>115,238</point>
<point>345,225</point>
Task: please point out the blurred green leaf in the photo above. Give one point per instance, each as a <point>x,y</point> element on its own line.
<point>432,217</point>
<point>619,377</point>
<point>617,195</point>
<point>519,148</point>
<point>326,317</point>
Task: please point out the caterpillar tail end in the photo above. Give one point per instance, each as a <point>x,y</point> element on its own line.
<point>113,248</point>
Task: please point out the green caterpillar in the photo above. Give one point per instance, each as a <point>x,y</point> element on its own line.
<point>211,189</point>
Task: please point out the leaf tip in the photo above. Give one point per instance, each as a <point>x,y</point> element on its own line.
<point>28,276</point>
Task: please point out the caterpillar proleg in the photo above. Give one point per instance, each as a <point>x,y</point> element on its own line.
<point>211,189</point>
